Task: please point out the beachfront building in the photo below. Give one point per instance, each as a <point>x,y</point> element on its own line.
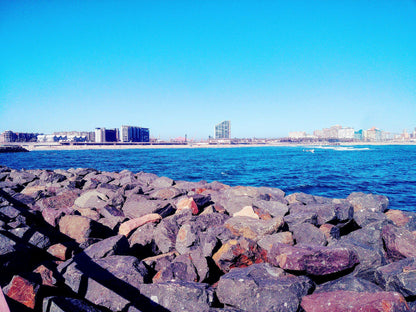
<point>297,135</point>
<point>103,135</point>
<point>10,136</point>
<point>223,130</point>
<point>346,133</point>
<point>134,134</point>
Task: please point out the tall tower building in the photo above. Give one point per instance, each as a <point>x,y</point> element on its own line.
<point>134,134</point>
<point>223,130</point>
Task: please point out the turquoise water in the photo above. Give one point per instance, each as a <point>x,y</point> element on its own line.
<point>387,170</point>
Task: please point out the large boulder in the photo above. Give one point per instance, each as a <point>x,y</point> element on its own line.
<point>399,242</point>
<point>178,296</point>
<point>261,287</point>
<point>65,304</point>
<point>82,229</point>
<point>350,301</point>
<point>398,276</point>
<point>372,202</point>
<point>314,260</point>
<point>236,253</point>
<point>253,229</point>
<point>112,282</point>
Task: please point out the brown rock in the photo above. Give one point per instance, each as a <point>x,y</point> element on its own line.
<point>252,228</point>
<point>400,243</point>
<point>247,211</point>
<point>398,217</point>
<point>330,231</point>
<point>187,203</point>
<point>46,276</point>
<point>22,291</point>
<point>315,260</point>
<point>351,301</point>
<point>238,253</point>
<point>65,200</point>
<point>59,251</point>
<point>128,226</point>
<point>79,228</point>
<point>166,193</point>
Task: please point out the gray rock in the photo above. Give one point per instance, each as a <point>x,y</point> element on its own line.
<point>255,288</point>
<point>350,283</point>
<point>64,304</point>
<point>9,211</point>
<point>274,208</point>
<point>22,177</point>
<point>180,269</point>
<point>308,234</point>
<point>167,230</point>
<point>116,245</point>
<point>399,276</point>
<point>112,282</point>
<point>371,202</point>
<point>301,217</point>
<point>137,206</point>
<point>179,296</point>
<point>162,182</point>
<point>142,241</point>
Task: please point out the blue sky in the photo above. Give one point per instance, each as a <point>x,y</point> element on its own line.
<point>180,67</point>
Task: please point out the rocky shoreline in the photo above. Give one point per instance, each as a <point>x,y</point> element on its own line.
<point>85,240</point>
<point>12,149</point>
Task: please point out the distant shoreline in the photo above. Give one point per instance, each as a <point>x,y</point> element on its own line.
<point>59,147</point>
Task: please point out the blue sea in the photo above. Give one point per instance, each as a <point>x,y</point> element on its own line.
<point>331,172</point>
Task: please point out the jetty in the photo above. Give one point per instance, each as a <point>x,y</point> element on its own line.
<point>88,240</point>
<point>12,149</point>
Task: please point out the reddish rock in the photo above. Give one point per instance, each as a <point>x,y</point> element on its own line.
<point>52,216</point>
<point>399,242</point>
<point>351,301</point>
<point>128,226</point>
<point>315,260</point>
<point>238,253</point>
<point>65,200</point>
<point>187,203</point>
<point>22,291</point>
<point>46,275</point>
<point>398,217</point>
<point>81,229</point>
<point>59,251</point>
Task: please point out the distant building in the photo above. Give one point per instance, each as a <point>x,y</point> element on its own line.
<point>359,135</point>
<point>223,130</point>
<point>297,135</point>
<point>346,133</point>
<point>10,136</point>
<point>103,135</point>
<point>134,134</point>
<point>374,135</point>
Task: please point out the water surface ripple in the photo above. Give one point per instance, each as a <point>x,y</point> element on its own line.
<point>387,170</point>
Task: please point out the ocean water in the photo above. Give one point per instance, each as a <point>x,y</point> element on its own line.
<point>330,172</point>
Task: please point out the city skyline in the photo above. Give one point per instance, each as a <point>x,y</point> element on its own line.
<point>181,67</point>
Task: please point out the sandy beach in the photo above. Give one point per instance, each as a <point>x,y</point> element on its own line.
<point>61,147</point>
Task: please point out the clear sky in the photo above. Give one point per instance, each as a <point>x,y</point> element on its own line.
<point>180,67</point>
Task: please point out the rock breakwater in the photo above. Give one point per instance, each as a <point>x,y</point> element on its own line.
<point>85,240</point>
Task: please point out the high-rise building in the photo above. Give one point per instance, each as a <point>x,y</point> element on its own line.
<point>103,135</point>
<point>223,130</point>
<point>134,134</point>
